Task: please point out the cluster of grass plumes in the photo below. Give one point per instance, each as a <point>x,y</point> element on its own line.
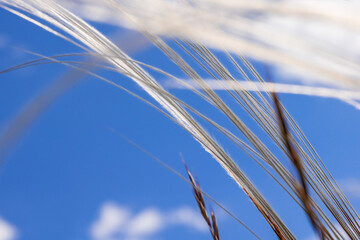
<point>326,209</point>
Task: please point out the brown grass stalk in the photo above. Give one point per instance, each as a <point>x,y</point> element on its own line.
<point>211,222</point>
<point>298,164</point>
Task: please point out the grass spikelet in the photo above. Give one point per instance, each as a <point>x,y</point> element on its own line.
<point>297,162</point>
<point>211,222</point>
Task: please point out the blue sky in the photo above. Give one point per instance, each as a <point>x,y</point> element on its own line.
<point>71,177</point>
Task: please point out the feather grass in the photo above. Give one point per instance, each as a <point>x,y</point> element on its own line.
<point>278,124</point>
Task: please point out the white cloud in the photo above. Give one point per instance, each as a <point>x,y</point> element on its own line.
<point>351,187</point>
<point>3,41</point>
<point>118,222</point>
<point>147,222</point>
<point>7,231</point>
<point>338,228</point>
<point>189,217</point>
<point>111,220</point>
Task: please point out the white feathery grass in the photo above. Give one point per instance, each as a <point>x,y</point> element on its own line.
<point>252,28</point>
<point>96,42</point>
<point>328,48</point>
<point>343,95</point>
